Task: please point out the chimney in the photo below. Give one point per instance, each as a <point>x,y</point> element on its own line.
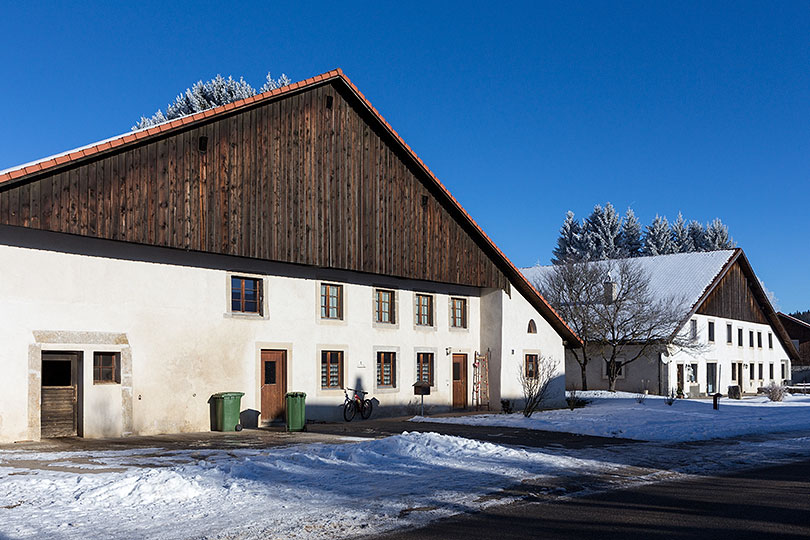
<point>611,290</point>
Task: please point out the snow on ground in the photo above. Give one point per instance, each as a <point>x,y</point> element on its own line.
<point>312,491</point>
<point>620,415</point>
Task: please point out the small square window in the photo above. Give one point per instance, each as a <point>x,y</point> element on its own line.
<point>385,308</point>
<point>424,367</point>
<point>331,301</point>
<point>424,310</point>
<point>458,313</point>
<point>246,295</point>
<point>106,368</point>
<point>331,369</point>
<point>530,366</point>
<point>386,369</point>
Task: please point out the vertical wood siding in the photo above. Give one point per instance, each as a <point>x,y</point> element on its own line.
<point>733,299</point>
<point>290,180</point>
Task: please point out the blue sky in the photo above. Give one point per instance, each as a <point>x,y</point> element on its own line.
<point>523,110</point>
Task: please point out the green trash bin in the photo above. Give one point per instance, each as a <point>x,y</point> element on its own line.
<point>226,411</point>
<point>296,411</point>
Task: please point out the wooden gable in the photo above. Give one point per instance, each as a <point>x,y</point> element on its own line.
<point>734,298</point>
<point>306,178</point>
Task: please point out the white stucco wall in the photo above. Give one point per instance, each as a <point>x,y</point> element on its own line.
<point>644,372</point>
<point>174,322</point>
<point>511,341</point>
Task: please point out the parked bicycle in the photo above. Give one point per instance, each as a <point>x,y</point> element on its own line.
<point>357,404</point>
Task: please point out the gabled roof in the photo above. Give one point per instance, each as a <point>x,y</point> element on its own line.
<point>37,168</point>
<point>802,327</point>
<point>690,278</point>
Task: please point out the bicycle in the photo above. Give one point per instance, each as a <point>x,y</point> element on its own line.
<point>356,404</point>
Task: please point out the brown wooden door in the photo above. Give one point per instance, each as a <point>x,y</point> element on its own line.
<point>274,385</point>
<point>459,381</point>
<point>59,405</point>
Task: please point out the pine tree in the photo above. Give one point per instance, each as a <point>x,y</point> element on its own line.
<point>206,95</point>
<point>592,240</point>
<point>569,243</point>
<point>658,237</point>
<point>630,240</point>
<point>717,236</point>
<point>698,236</point>
<point>603,230</point>
<point>681,241</point>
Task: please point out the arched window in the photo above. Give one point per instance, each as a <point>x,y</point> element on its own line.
<point>532,327</point>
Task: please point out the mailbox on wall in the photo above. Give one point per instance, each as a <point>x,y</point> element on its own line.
<point>421,388</point>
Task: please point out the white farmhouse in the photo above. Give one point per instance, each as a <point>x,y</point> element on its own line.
<point>291,241</point>
<point>724,308</point>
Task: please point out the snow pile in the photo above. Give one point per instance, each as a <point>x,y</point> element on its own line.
<point>620,415</point>
<point>307,491</point>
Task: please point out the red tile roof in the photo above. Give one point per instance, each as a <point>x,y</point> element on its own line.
<point>337,74</point>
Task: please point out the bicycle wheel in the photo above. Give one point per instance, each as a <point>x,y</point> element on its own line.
<point>365,412</point>
<point>348,411</point>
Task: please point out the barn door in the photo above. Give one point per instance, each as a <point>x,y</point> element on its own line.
<point>274,385</point>
<point>59,406</point>
<point>459,381</point>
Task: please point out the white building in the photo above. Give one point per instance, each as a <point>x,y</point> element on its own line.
<point>288,242</point>
<point>724,308</point>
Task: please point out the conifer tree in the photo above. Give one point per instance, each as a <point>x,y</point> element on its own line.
<point>717,236</point>
<point>681,241</point>
<point>592,242</point>
<point>630,240</point>
<point>206,95</point>
<point>697,235</point>
<point>658,237</point>
<point>569,243</point>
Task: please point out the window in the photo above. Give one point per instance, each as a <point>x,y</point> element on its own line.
<point>530,365</point>
<point>424,310</point>
<point>752,371</point>
<point>759,339</point>
<point>424,367</point>
<point>734,371</point>
<point>751,338</point>
<point>458,313</point>
<point>770,371</point>
<point>619,372</point>
<point>386,366</point>
<point>729,334</point>
<point>246,295</point>
<point>331,301</point>
<point>331,369</point>
<point>106,368</point>
<point>711,331</point>
<point>532,327</point>
<point>784,371</point>
<point>384,306</point>
<point>760,371</point>
<point>693,329</point>
<point>739,337</point>
<point>770,341</point>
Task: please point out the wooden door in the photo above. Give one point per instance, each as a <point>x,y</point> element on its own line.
<point>459,381</point>
<point>59,404</point>
<point>274,385</point>
<point>711,378</point>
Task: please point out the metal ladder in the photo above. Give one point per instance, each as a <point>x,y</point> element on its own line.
<point>481,380</point>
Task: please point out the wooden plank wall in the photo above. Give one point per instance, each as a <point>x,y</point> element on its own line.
<point>733,299</point>
<point>292,181</point>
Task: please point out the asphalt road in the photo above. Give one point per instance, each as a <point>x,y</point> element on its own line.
<point>771,502</point>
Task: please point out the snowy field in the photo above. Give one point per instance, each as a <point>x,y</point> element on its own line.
<point>620,415</point>
<point>306,491</point>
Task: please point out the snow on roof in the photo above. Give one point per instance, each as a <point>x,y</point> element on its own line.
<point>679,276</point>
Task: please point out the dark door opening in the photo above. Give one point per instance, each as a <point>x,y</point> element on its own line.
<point>60,394</point>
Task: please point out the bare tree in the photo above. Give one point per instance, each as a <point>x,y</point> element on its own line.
<point>535,377</point>
<point>567,287</point>
<point>612,307</point>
